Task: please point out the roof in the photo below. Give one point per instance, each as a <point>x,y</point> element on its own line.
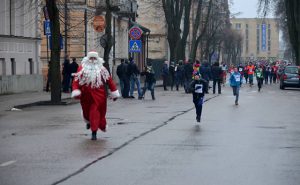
<point>145,30</point>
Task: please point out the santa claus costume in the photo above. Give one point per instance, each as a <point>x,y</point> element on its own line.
<point>89,86</point>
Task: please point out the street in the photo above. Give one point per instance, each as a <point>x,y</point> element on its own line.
<point>157,142</point>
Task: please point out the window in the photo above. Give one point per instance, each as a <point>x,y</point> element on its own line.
<point>2,67</point>
<point>247,46</point>
<point>238,26</point>
<point>13,66</point>
<point>269,45</point>
<point>257,39</point>
<point>30,66</point>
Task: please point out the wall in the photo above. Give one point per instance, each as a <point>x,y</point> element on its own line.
<point>20,83</point>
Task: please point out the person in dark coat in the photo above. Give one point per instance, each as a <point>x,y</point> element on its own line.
<point>198,87</point>
<point>165,74</point>
<point>149,80</point>
<point>205,72</point>
<point>216,72</point>
<point>122,72</point>
<point>172,74</point>
<point>188,72</point>
<point>179,80</point>
<point>66,72</point>
<point>73,68</point>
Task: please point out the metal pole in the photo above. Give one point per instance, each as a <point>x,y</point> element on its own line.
<point>66,27</point>
<point>47,49</point>
<point>85,32</point>
<point>114,45</point>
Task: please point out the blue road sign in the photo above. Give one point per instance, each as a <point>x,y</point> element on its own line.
<point>135,46</point>
<point>61,43</point>
<point>47,27</point>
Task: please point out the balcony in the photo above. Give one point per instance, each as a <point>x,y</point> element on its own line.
<point>120,6</point>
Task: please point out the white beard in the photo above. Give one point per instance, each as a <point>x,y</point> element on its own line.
<point>92,73</point>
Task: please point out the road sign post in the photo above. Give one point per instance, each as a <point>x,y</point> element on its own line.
<point>135,46</point>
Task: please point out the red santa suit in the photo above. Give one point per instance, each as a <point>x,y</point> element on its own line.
<point>89,86</point>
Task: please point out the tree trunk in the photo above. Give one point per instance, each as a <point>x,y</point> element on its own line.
<point>293,22</point>
<point>107,49</point>
<point>55,52</point>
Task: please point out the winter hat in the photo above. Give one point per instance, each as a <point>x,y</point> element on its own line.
<point>93,54</point>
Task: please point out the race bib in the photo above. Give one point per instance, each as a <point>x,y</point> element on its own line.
<point>250,70</point>
<point>237,78</point>
<point>198,88</point>
<point>241,69</point>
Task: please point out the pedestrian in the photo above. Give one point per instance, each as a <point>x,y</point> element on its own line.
<point>188,72</point>
<point>259,77</point>
<point>73,68</point>
<point>134,78</point>
<point>179,80</point>
<point>250,69</point>
<point>149,80</point>
<point>224,70</point>
<point>196,68</point>
<point>235,83</point>
<point>165,74</point>
<point>89,86</point>
<point>172,74</point>
<point>205,72</point>
<point>246,74</point>
<point>123,77</point>
<point>216,72</point>
<point>241,71</point>
<point>198,87</point>
<point>48,78</point>
<point>66,72</point>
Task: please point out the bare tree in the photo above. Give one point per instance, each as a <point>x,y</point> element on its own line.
<point>174,10</point>
<point>292,15</point>
<point>55,51</point>
<point>232,46</point>
<point>200,25</point>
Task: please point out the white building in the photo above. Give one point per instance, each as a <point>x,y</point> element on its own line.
<point>20,68</point>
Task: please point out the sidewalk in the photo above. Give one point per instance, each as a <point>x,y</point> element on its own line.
<point>7,102</point>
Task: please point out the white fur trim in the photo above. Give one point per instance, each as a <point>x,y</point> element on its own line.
<point>115,94</point>
<point>92,54</point>
<point>75,93</point>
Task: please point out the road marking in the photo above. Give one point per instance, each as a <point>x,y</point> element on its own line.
<point>7,163</point>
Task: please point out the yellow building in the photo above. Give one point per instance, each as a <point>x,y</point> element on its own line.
<point>260,38</point>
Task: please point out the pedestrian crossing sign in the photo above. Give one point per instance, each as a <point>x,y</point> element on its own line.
<point>135,46</point>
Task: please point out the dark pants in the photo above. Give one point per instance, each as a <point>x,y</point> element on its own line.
<point>150,87</point>
<point>172,81</point>
<point>198,105</point>
<point>219,85</point>
<point>260,82</point>
<point>165,78</point>
<point>126,88</point>
<point>236,93</point>
<point>66,82</point>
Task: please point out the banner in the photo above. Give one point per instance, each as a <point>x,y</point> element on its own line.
<point>263,37</point>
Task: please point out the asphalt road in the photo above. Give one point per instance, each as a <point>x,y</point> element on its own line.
<point>157,142</point>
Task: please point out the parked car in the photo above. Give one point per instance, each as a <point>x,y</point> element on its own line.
<point>290,77</point>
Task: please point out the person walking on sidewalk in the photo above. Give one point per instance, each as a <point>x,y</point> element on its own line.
<point>149,80</point>
<point>172,74</point>
<point>134,78</point>
<point>89,86</point>
<point>198,87</point>
<point>235,82</point>
<point>124,80</point>
<point>187,73</point>
<point>66,72</point>
<point>73,68</point>
<point>165,74</point>
<point>216,72</point>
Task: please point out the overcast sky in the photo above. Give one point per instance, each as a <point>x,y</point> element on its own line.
<point>248,8</point>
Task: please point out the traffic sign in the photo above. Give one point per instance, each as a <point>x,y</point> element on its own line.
<point>135,46</point>
<point>135,33</point>
<point>47,28</point>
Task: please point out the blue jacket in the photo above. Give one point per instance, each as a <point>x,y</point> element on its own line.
<point>235,79</point>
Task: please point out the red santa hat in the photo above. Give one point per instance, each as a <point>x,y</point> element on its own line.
<point>93,53</point>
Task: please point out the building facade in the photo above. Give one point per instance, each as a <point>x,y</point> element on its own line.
<point>20,68</point>
<point>260,38</point>
<point>80,37</point>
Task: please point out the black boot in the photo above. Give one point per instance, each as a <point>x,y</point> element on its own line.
<point>152,94</point>
<point>94,135</point>
<point>88,126</point>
